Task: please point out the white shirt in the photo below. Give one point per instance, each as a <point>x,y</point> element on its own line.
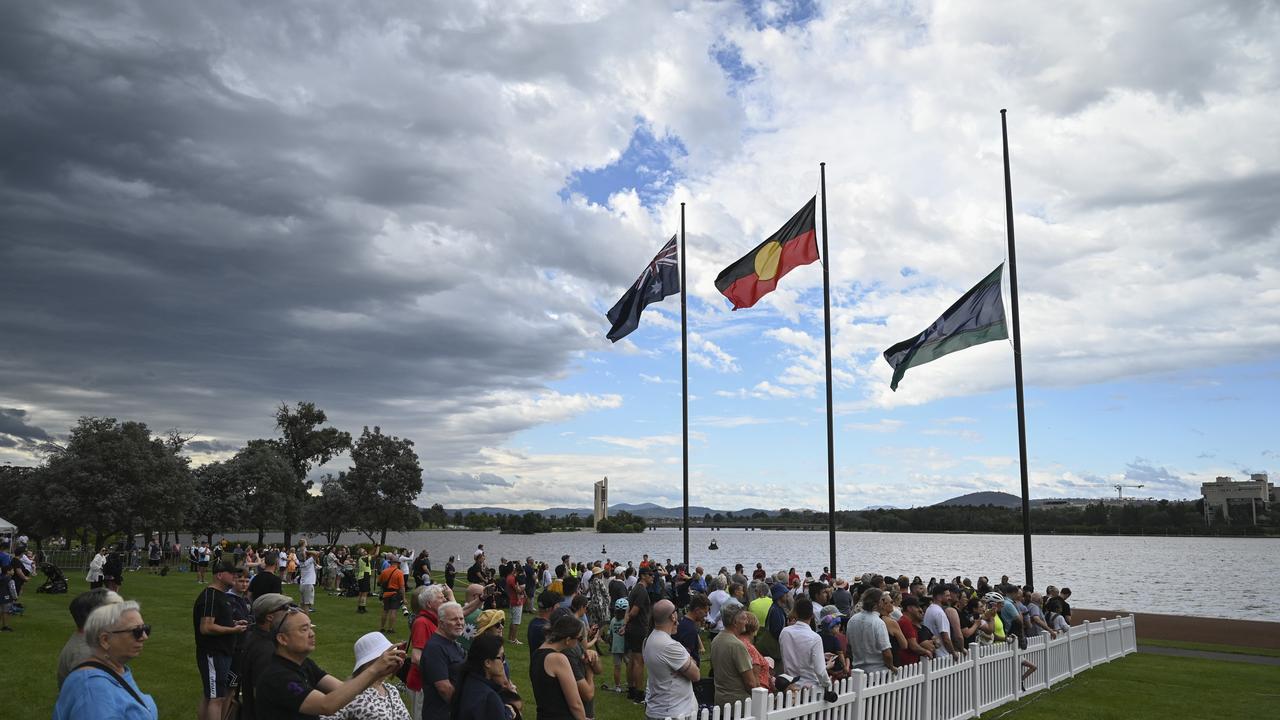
<point>668,693</point>
<point>868,639</point>
<point>802,655</point>
<point>404,563</point>
<point>717,598</point>
<point>935,618</point>
<point>307,569</point>
<point>631,581</point>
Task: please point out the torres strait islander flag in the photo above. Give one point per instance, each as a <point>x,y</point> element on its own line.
<point>758,272</point>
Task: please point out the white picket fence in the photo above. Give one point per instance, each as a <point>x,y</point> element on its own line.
<point>944,689</point>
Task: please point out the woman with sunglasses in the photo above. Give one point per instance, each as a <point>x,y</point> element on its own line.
<point>102,687</point>
<point>483,690</point>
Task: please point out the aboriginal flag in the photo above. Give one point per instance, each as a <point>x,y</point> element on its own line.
<point>757,274</point>
<point>661,278</point>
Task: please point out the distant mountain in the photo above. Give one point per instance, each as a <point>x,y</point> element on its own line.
<point>998,499</point>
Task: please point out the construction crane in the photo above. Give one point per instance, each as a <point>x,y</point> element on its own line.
<point>1120,489</point>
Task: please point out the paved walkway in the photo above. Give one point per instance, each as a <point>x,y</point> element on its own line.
<point>1207,655</point>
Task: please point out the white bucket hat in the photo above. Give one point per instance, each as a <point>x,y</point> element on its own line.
<point>369,647</point>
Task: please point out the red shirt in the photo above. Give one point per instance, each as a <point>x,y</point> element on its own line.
<point>514,591</point>
<point>424,626</point>
<point>908,632</point>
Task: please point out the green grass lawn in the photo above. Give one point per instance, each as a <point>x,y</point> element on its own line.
<point>1135,687</point>
<point>167,667</point>
<point>1212,647</point>
<point>1154,686</point>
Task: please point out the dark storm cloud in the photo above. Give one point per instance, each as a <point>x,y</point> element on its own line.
<point>13,421</point>
<point>200,219</point>
<point>1244,207</point>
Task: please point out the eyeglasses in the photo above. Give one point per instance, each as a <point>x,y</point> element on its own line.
<point>139,632</point>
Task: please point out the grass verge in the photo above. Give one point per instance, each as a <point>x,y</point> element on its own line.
<point>1152,686</point>
<point>1212,647</point>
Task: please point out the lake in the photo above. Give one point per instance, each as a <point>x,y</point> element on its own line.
<point>1215,577</point>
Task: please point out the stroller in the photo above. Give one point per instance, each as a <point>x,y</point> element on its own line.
<point>55,583</point>
<point>347,585</point>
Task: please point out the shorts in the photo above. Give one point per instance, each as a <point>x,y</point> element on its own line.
<point>215,674</point>
<point>153,562</point>
<point>392,602</point>
<point>362,584</point>
<point>619,658</point>
<point>308,593</point>
<point>517,613</point>
<point>635,641</point>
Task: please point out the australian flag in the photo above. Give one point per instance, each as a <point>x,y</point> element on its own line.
<point>660,279</point>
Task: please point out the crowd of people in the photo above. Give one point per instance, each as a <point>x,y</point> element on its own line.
<point>654,622</point>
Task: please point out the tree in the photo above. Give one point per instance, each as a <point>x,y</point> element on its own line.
<point>621,522</point>
<point>221,499</point>
<point>435,516</point>
<point>270,486</point>
<point>332,511</point>
<point>116,477</point>
<point>384,481</point>
<point>305,444</point>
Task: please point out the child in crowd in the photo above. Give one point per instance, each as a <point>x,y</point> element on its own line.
<point>617,642</point>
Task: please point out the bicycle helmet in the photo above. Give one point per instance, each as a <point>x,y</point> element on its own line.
<point>621,604</point>
<point>993,597</point>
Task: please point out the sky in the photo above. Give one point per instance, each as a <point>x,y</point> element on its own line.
<point>416,214</point>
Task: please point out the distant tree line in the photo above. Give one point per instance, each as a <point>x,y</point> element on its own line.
<point>1165,516</point>
<point>526,524</point>
<point>117,478</point>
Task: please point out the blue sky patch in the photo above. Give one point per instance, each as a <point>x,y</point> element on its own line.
<point>780,14</point>
<point>648,165</point>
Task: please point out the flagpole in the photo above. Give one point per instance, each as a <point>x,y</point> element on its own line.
<point>826,316</point>
<point>1017,356</point>
<point>684,386</point>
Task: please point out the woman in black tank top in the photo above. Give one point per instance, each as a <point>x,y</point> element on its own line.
<point>554,687</point>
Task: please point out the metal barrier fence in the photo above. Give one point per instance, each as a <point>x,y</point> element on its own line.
<point>944,689</point>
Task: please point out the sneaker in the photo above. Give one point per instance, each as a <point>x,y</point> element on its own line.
<point>6,628</point>
<point>619,689</point>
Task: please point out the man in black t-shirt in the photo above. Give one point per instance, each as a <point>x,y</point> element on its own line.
<point>257,647</point>
<point>216,629</point>
<point>268,578</point>
<point>637,629</point>
<point>476,573</point>
<point>293,687</point>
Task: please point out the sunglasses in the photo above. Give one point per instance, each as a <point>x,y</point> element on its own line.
<point>139,632</point>
<point>279,623</point>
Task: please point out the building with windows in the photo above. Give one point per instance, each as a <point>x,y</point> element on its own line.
<point>601,507</point>
<point>1241,501</point>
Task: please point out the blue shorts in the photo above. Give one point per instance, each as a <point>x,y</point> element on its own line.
<point>215,674</point>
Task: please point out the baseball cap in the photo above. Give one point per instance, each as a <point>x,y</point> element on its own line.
<point>269,603</point>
